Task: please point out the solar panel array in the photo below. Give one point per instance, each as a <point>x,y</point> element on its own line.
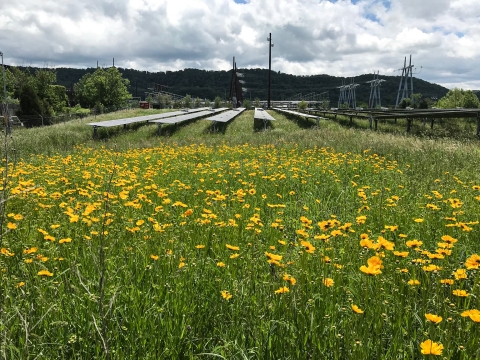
<point>181,118</point>
<point>296,113</point>
<point>226,116</point>
<point>137,119</point>
<point>262,114</point>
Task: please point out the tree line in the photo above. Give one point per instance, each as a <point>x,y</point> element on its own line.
<point>49,92</point>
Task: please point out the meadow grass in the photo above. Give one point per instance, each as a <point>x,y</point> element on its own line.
<point>239,243</point>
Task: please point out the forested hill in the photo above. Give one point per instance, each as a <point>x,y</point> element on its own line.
<point>209,84</point>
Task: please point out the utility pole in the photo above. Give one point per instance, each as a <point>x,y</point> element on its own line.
<point>270,45</point>
<point>5,105</point>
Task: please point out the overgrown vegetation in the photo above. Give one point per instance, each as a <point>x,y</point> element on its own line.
<point>296,243</point>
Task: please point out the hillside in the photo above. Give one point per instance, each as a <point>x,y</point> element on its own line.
<point>209,84</point>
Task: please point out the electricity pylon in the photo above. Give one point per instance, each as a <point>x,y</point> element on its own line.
<point>407,71</point>
<point>374,100</point>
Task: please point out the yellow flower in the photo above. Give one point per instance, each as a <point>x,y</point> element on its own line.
<point>273,256</point>
<point>154,257</point>
<point>413,282</point>
<point>6,252</point>
<point>282,290</point>
<point>461,293</point>
<point>433,318</point>
<point>182,264</point>
<point>473,314</point>
<point>233,256</point>
<point>199,246</point>
<point>309,248</point>
<point>432,268</point>
<point>431,348</point>
<point>226,295</point>
<point>140,222</point>
<point>30,251</point>
<point>55,226</point>
<point>11,226</point>
<point>371,270</point>
<point>44,273</point>
<point>20,284</point>
<point>220,264</point>
<point>419,220</point>
<point>328,282</point>
<point>188,212</point>
<point>356,309</point>
<point>290,279</point>
<point>66,240</point>
<point>447,281</point>
<point>401,253</point>
<point>473,262</point>
<point>18,217</point>
<point>231,247</point>
<point>414,243</point>
<point>460,274</point>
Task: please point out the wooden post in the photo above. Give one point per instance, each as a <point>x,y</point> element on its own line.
<point>95,131</point>
<point>376,123</point>
<point>370,120</point>
<point>395,121</point>
<point>351,119</point>
<point>159,129</point>
<point>318,122</point>
<point>431,123</point>
<point>478,125</point>
<point>409,124</point>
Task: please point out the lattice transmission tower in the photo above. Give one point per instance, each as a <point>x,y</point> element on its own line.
<point>407,72</point>
<point>375,101</point>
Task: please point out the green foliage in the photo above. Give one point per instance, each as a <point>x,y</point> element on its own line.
<point>49,98</point>
<point>105,87</point>
<point>187,101</point>
<point>207,102</point>
<point>149,99</point>
<point>302,105</point>
<point>459,98</point>
<point>197,102</point>
<point>256,102</point>
<point>217,102</point>
<point>247,104</point>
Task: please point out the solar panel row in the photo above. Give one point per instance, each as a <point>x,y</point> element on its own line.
<point>226,116</point>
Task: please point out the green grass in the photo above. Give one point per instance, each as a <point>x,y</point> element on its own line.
<point>134,227</point>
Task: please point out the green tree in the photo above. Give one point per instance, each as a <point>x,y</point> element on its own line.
<point>247,104</point>
<point>197,102</point>
<point>187,101</point>
<point>217,102</point>
<point>105,87</point>
<point>256,102</point>
<point>207,102</point>
<point>459,98</point>
<point>302,105</point>
<point>149,99</point>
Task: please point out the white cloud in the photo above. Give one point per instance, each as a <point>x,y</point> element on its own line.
<point>310,36</point>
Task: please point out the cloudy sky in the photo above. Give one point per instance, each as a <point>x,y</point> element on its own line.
<point>336,37</point>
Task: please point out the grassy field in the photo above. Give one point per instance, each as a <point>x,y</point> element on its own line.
<point>239,243</point>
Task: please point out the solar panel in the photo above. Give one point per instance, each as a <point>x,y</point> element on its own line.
<point>262,114</point>
<point>185,117</point>
<point>226,116</point>
<point>117,122</point>
<point>295,113</point>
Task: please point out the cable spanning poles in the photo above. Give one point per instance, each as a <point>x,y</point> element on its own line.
<point>374,101</point>
<point>407,71</point>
